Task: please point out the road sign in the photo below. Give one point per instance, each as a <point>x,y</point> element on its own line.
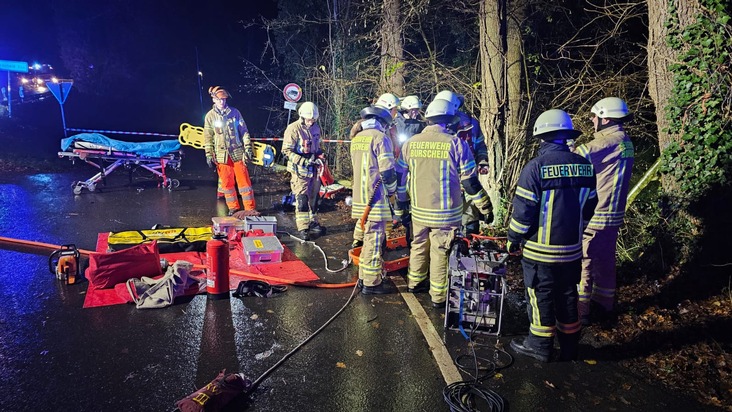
<point>290,105</point>
<point>292,93</point>
<point>13,66</point>
<point>60,89</point>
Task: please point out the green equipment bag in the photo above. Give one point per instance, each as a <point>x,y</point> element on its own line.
<point>170,239</point>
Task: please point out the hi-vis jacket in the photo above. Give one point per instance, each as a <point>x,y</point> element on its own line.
<point>555,198</point>
<point>612,153</point>
<point>373,157</point>
<point>438,163</point>
<point>299,144</point>
<point>225,135</point>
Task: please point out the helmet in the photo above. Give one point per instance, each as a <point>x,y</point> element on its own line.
<point>308,110</point>
<point>378,112</point>
<point>455,99</point>
<point>610,108</point>
<point>439,107</point>
<point>387,101</point>
<point>218,92</point>
<point>555,120</point>
<point>411,102</point>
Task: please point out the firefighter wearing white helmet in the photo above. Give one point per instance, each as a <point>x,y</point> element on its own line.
<point>374,181</point>
<point>555,197</point>
<point>611,153</point>
<point>301,147</point>
<point>412,122</point>
<point>228,147</point>
<point>440,167</point>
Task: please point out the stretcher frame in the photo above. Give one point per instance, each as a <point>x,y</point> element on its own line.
<point>128,160</point>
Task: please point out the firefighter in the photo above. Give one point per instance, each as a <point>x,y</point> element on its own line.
<point>374,181</point>
<point>412,122</point>
<point>611,153</point>
<point>554,200</point>
<point>468,129</point>
<point>301,147</point>
<point>439,165</point>
<point>228,148</point>
<point>390,102</point>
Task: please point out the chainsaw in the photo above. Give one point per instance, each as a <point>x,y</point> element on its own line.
<point>64,263</point>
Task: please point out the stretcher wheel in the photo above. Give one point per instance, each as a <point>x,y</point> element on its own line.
<point>76,187</point>
<point>174,183</point>
<point>91,187</point>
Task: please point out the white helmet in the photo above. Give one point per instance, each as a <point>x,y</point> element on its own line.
<point>308,110</point>
<point>411,102</point>
<point>387,101</point>
<point>440,111</point>
<point>610,108</point>
<point>555,120</point>
<point>455,99</point>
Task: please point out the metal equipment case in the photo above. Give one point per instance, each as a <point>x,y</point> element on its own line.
<point>477,286</point>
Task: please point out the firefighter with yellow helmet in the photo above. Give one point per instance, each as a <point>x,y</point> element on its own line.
<point>374,181</point>
<point>439,166</point>
<point>611,153</point>
<point>301,147</point>
<point>227,145</point>
<point>554,200</point>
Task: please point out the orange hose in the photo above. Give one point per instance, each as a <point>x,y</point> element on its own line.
<point>32,243</point>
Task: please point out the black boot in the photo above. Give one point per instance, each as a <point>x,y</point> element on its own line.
<point>380,289</point>
<point>521,346</point>
<point>316,229</point>
<point>304,234</point>
<point>568,346</point>
<point>421,287</point>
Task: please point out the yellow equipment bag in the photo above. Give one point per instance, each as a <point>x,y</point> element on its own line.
<point>190,135</point>
<point>170,240</point>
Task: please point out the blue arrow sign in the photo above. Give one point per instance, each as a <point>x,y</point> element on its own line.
<point>13,66</point>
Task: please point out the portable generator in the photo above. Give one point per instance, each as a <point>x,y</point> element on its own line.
<point>64,263</point>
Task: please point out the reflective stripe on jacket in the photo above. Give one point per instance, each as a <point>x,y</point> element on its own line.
<point>555,198</point>
<point>437,163</point>
<point>225,135</point>
<point>611,153</point>
<point>298,144</point>
<point>371,155</point>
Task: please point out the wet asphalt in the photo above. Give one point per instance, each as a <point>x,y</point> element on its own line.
<point>57,356</point>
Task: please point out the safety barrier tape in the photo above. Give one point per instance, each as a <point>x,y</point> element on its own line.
<point>263,139</point>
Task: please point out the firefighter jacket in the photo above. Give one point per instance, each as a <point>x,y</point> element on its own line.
<point>438,165</point>
<point>226,135</point>
<point>300,145</point>
<point>373,161</point>
<point>611,153</point>
<point>554,200</point>
<point>468,129</point>
<point>406,128</point>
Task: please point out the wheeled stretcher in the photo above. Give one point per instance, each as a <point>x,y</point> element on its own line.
<point>107,155</point>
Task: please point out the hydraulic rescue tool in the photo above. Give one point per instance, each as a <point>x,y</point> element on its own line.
<point>64,263</point>
<point>370,204</point>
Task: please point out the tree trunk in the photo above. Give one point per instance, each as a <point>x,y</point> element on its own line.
<point>491,18</point>
<point>660,55</point>
<point>392,50</point>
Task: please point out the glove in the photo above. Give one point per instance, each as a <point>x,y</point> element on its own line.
<point>248,155</point>
<point>210,162</point>
<point>483,168</point>
<point>488,217</point>
<point>512,247</point>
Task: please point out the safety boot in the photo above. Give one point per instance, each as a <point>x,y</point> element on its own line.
<point>421,287</point>
<point>316,229</point>
<point>380,289</point>
<point>521,346</point>
<point>304,234</point>
<point>568,346</point>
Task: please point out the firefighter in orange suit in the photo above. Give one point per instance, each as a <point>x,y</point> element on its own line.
<point>439,166</point>
<point>301,147</point>
<point>554,200</point>
<point>374,181</point>
<point>611,153</point>
<point>228,147</point>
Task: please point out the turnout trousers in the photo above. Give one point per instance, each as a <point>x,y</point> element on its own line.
<point>305,190</point>
<point>428,257</point>
<point>370,262</point>
<point>233,175</point>
<point>598,281</point>
<point>551,303</point>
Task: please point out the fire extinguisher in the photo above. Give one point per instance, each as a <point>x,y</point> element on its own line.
<point>217,257</point>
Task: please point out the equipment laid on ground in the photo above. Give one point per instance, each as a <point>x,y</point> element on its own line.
<point>476,276</point>
<point>227,225</point>
<point>264,154</point>
<point>328,187</point>
<point>396,254</point>
<point>262,249</point>
<point>154,157</point>
<point>64,263</point>
<point>267,224</point>
<point>217,257</point>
